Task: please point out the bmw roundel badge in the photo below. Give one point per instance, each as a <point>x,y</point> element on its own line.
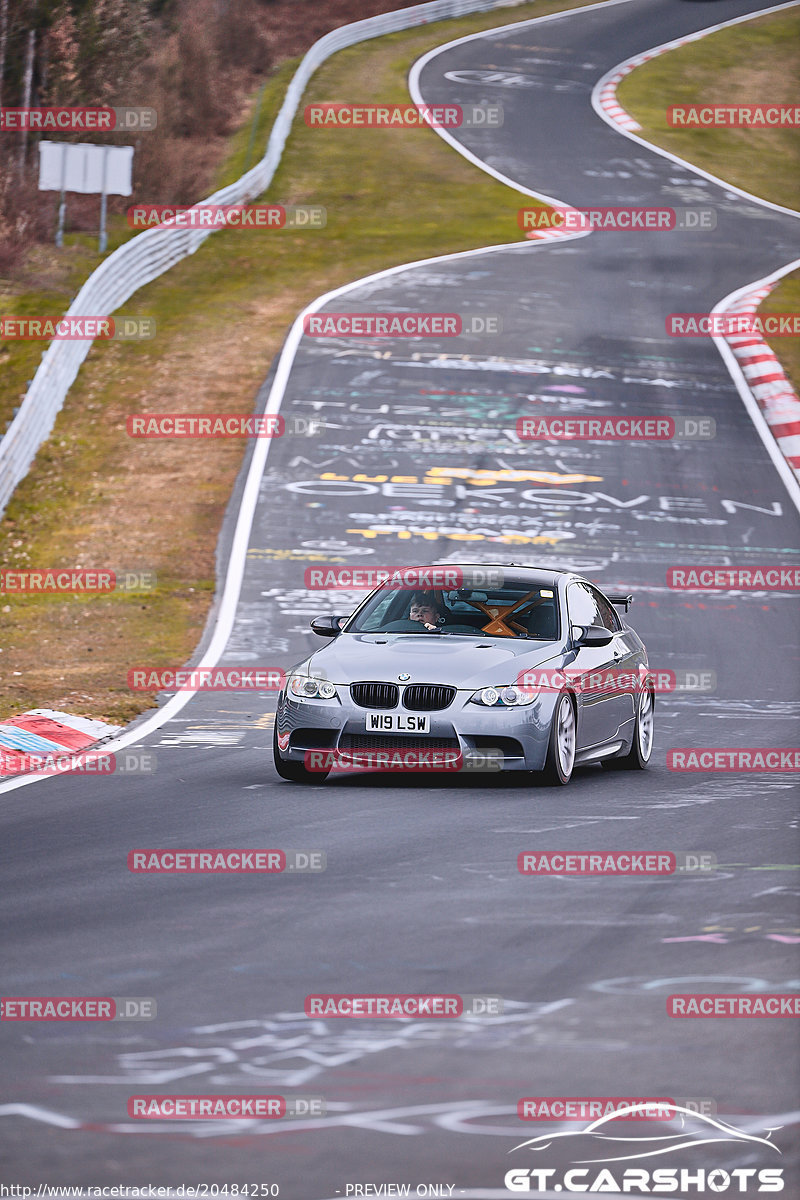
<point>404,675</point>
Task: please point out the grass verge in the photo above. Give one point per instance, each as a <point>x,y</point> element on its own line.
<point>96,498</point>
<point>755,62</point>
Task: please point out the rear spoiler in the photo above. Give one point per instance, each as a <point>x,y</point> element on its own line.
<point>626,601</point>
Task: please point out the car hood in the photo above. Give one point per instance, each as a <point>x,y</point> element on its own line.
<point>461,661</point>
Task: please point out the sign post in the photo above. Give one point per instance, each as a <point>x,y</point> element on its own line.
<point>82,167</point>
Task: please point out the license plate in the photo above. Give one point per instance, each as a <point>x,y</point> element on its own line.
<point>378,722</point>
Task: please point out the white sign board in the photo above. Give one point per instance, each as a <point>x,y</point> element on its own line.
<point>81,167</point>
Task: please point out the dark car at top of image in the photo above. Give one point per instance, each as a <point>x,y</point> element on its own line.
<point>534,666</point>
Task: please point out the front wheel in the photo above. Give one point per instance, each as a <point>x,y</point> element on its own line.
<point>641,749</point>
<point>294,772</point>
<point>561,746</point>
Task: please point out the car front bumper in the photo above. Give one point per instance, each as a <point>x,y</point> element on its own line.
<point>510,739</point>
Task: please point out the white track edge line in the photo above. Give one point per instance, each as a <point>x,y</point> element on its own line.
<point>734,369</point>
<point>247,506</point>
<point>237,559</point>
<point>676,44</point>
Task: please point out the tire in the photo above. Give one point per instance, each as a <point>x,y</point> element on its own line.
<point>560,758</point>
<point>292,771</point>
<point>638,757</point>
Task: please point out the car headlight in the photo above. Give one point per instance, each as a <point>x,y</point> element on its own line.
<point>305,687</point>
<point>503,697</point>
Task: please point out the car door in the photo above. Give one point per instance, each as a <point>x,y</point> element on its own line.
<point>602,706</point>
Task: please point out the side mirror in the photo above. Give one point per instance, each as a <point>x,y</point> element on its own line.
<point>328,626</point>
<point>591,635</point>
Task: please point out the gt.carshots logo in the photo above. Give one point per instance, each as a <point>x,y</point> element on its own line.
<point>639,1181</point>
<point>607,1141</point>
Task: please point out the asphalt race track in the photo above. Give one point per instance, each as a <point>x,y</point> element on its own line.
<point>421,891</point>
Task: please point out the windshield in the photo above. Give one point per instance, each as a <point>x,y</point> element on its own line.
<point>517,610</point>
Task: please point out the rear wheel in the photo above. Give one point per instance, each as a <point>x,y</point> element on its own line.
<point>561,746</point>
<point>641,749</point>
<point>295,772</point>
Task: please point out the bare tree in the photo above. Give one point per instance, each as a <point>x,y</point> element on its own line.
<point>26,93</point>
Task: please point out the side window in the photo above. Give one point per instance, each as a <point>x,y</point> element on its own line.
<point>379,614</point>
<point>608,616</point>
<point>582,605</point>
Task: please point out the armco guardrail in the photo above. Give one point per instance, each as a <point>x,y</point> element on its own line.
<point>150,254</point>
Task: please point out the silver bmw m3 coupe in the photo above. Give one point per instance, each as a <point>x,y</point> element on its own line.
<point>523,668</point>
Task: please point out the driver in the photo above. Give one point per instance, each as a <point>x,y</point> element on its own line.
<point>425,609</point>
